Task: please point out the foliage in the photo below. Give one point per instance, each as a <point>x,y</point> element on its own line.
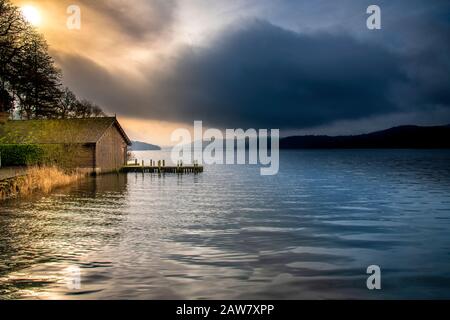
<point>71,107</point>
<point>29,78</point>
<point>29,155</point>
<point>20,155</point>
<point>12,27</point>
<point>37,179</point>
<point>38,81</point>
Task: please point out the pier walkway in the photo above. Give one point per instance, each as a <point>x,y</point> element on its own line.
<point>163,169</point>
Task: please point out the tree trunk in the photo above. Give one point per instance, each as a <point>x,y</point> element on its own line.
<point>4,116</point>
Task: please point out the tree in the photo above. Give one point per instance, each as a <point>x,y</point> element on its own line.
<point>71,107</point>
<point>6,101</point>
<point>12,27</point>
<point>87,109</point>
<point>67,104</point>
<point>29,76</point>
<point>27,72</point>
<point>38,81</point>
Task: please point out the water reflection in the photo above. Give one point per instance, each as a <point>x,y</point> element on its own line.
<point>309,232</point>
<point>41,237</point>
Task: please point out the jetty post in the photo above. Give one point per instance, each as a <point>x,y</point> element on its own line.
<point>161,167</point>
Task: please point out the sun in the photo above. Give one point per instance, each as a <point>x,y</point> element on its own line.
<point>32,15</point>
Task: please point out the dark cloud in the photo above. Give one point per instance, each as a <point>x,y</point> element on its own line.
<point>261,75</point>
<point>113,91</point>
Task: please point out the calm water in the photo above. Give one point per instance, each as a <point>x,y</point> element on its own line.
<point>309,232</point>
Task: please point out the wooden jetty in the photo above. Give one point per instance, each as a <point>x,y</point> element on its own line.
<point>161,167</point>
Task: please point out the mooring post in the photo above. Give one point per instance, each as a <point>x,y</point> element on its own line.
<point>135,161</point>
<point>164,163</point>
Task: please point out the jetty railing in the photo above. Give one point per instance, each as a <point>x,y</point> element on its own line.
<point>160,167</point>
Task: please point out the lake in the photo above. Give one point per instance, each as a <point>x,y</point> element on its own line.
<point>309,232</point>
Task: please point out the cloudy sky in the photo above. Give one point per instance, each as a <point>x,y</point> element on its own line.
<point>301,66</point>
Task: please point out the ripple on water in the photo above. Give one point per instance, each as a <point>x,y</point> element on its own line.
<point>310,232</point>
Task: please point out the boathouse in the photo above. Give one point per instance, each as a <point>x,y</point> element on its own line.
<point>101,143</point>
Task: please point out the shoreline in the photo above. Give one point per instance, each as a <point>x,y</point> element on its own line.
<point>36,179</point>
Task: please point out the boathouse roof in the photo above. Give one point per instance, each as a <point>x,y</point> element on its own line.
<point>58,131</point>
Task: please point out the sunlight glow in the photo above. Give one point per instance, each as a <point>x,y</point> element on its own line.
<point>32,15</point>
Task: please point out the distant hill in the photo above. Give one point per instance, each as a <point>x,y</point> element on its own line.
<point>142,146</point>
<point>404,137</point>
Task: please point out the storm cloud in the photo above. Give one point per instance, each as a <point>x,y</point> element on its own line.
<point>262,75</point>
<point>258,74</point>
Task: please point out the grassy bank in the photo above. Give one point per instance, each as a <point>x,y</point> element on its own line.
<point>37,179</point>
